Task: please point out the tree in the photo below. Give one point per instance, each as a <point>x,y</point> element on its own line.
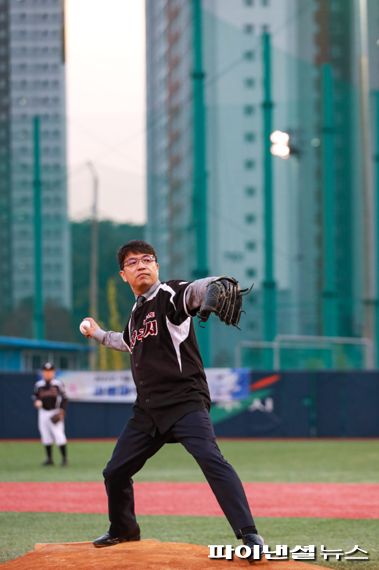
<point>111,237</point>
<point>19,321</point>
<point>113,359</point>
<point>115,298</point>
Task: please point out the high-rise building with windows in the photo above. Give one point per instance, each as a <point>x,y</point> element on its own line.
<point>232,63</point>
<point>304,36</point>
<point>32,84</point>
<point>330,35</point>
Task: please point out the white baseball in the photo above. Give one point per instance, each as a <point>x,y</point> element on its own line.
<point>84,326</point>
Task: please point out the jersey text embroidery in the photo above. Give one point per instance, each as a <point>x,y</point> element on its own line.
<point>149,316</point>
<point>150,328</point>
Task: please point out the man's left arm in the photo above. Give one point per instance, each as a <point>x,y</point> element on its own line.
<point>195,294</point>
<point>219,295</point>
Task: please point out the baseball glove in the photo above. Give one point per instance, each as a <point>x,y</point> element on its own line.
<point>224,298</point>
<point>58,417</point>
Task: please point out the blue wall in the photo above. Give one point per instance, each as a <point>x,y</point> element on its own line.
<point>10,359</point>
<point>295,404</point>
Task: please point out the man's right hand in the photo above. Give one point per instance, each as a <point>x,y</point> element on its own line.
<point>38,404</point>
<point>94,326</point>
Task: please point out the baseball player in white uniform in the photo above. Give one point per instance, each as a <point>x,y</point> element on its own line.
<point>51,401</point>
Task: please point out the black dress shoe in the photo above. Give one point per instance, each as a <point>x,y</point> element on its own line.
<point>252,540</point>
<point>108,540</point>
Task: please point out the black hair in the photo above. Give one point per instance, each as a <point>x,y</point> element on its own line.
<point>134,246</point>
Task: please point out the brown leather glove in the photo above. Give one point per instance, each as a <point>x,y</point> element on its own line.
<point>58,417</point>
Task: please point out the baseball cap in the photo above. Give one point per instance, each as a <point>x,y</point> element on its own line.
<point>48,366</point>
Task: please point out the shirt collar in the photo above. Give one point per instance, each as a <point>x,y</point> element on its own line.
<point>150,291</point>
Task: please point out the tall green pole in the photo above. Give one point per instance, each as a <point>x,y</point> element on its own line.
<point>199,204</point>
<point>38,317</point>
<point>269,285</point>
<point>367,185</point>
<point>329,298</point>
<point>376,347</point>
<point>94,261</point>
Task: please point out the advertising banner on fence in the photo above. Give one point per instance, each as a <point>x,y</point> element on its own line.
<point>225,384</point>
<point>102,386</point>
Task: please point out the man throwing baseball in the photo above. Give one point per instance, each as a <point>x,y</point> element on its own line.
<point>173,399</point>
<point>51,401</point>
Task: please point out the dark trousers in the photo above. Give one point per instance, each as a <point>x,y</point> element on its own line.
<point>195,432</point>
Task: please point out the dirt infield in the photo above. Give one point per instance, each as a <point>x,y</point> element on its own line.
<point>324,500</point>
<point>144,555</point>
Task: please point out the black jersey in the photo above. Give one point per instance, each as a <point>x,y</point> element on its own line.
<point>165,359</point>
<point>52,394</point>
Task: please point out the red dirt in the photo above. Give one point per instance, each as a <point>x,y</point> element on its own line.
<point>144,555</point>
<point>219,439</point>
<point>323,500</point>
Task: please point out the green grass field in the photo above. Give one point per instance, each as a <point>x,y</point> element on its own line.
<point>292,461</point>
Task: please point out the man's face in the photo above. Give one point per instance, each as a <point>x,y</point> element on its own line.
<point>48,375</point>
<point>140,270</point>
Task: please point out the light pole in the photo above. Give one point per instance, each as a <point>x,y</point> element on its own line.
<point>367,175</point>
<point>38,314</point>
<point>377,228</point>
<point>200,200</point>
<point>94,258</point>
<point>269,284</point>
<point>329,296</point>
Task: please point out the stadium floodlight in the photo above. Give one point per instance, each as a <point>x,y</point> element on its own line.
<point>280,144</point>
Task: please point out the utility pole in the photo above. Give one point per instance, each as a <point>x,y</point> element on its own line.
<point>38,315</point>
<point>329,301</point>
<point>269,285</point>
<point>94,259</point>
<point>376,346</point>
<point>199,204</point>
<point>367,176</point>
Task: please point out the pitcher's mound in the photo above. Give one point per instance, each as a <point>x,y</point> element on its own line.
<point>143,555</point>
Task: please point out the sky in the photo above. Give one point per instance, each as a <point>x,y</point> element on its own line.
<point>105,93</point>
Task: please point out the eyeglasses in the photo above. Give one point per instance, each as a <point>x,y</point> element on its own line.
<point>132,262</point>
